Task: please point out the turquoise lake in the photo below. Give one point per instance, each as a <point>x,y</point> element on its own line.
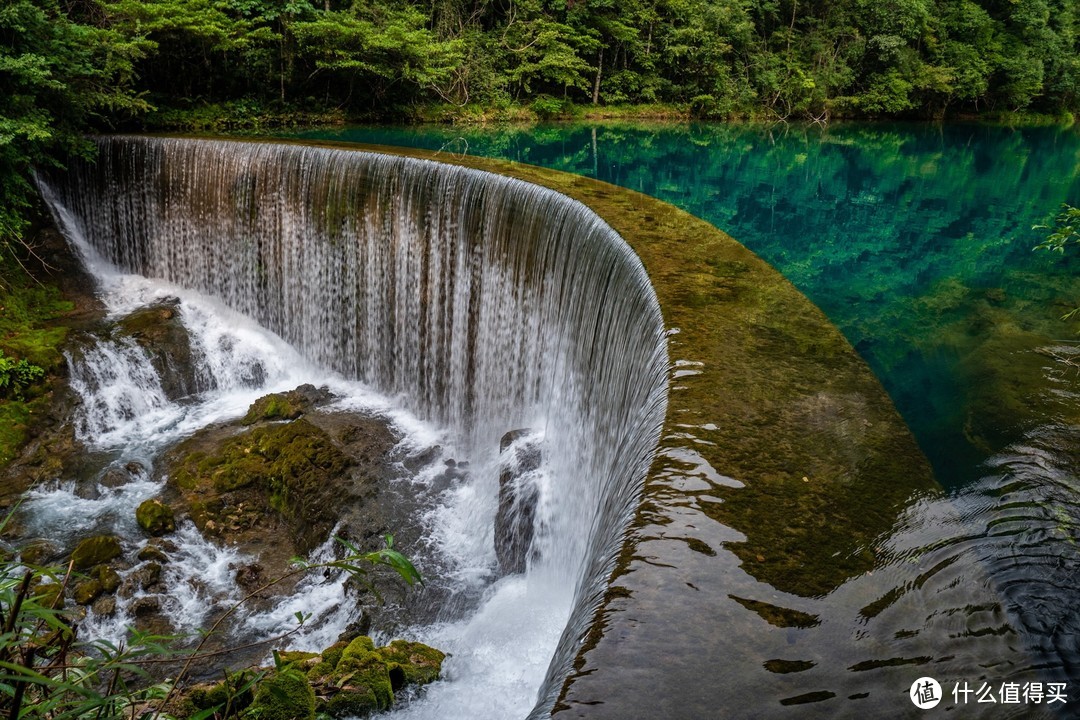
<point>916,240</point>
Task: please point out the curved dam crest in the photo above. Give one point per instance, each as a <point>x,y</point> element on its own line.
<point>490,304</point>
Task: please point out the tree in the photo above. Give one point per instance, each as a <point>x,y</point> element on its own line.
<point>58,77</point>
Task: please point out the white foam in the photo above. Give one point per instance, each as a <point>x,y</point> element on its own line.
<point>496,662</point>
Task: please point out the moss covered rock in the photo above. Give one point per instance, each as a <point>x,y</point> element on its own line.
<point>236,693</point>
<point>109,578</point>
<point>332,654</point>
<point>155,517</point>
<point>37,552</point>
<point>285,695</point>
<point>420,663</point>
<point>299,659</point>
<point>294,468</point>
<point>364,687</point>
<point>94,551</point>
<point>287,405</point>
<point>358,679</point>
<point>360,646</point>
<point>153,553</point>
<point>275,490</point>
<point>87,591</point>
<point>50,594</point>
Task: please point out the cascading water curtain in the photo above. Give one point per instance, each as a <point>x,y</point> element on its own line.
<point>486,303</point>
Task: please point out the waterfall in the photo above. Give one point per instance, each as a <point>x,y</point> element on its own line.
<point>483,303</point>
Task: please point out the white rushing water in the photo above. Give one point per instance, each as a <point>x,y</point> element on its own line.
<point>462,304</point>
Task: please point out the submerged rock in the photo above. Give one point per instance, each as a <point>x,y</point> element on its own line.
<point>518,494</point>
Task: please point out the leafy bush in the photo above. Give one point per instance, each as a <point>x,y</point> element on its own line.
<point>547,107</point>
<point>17,375</point>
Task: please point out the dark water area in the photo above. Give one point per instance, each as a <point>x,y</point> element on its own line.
<point>916,240</point>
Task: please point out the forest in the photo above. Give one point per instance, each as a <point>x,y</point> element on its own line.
<point>68,66</point>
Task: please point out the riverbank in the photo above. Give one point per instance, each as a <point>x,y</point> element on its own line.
<point>44,294</point>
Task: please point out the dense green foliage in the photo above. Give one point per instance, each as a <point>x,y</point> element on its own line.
<point>786,58</point>
<point>62,69</point>
<point>17,375</point>
<point>66,67</point>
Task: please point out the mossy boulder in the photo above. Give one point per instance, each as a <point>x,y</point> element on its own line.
<point>38,552</point>
<point>332,654</point>
<point>275,490</point>
<point>155,517</point>
<point>293,470</point>
<point>50,595</point>
<point>236,693</point>
<point>420,663</point>
<point>358,679</point>
<point>285,406</point>
<point>348,680</point>
<point>361,646</point>
<point>94,551</point>
<point>109,578</point>
<point>87,591</point>
<point>285,695</point>
<point>299,659</point>
<point>153,553</point>
<point>364,687</point>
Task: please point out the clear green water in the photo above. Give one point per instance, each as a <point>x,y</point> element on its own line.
<point>914,239</point>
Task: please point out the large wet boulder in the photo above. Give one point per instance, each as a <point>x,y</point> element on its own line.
<point>290,471</point>
<point>160,332</point>
<point>287,405</point>
<point>275,487</point>
<point>519,461</point>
